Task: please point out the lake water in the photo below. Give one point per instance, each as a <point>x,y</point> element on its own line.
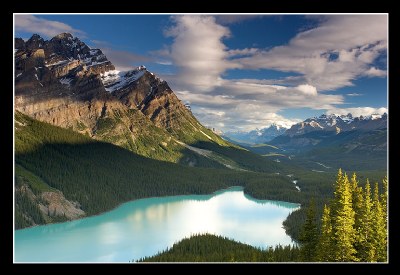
<point>144,227</point>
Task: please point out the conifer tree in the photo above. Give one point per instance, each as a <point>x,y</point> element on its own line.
<point>357,199</point>
<point>309,235</point>
<point>324,247</point>
<point>358,206</point>
<point>384,197</point>
<point>379,228</point>
<point>354,225</point>
<point>384,202</point>
<point>343,215</point>
<point>366,251</point>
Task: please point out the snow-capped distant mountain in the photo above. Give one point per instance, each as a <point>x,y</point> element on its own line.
<point>338,124</point>
<point>333,130</point>
<point>256,136</point>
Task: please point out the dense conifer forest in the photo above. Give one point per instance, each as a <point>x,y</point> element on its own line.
<point>100,176</point>
<point>210,248</point>
<point>353,228</point>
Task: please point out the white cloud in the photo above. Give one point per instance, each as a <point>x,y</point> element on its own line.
<point>198,51</point>
<point>242,52</point>
<point>307,89</point>
<point>356,40</point>
<point>48,28</point>
<point>358,111</point>
<point>374,72</point>
<point>164,62</point>
<point>122,60</point>
<point>241,117</point>
<point>242,105</point>
<point>276,97</point>
<point>330,55</point>
<point>354,94</point>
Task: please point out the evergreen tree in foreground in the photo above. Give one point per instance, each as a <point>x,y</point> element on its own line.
<point>343,217</point>
<point>379,228</point>
<point>366,251</point>
<point>324,246</point>
<point>354,225</point>
<point>358,207</point>
<point>309,235</point>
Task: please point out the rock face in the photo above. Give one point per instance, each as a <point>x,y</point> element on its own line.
<point>19,44</point>
<point>55,204</point>
<point>52,205</point>
<point>64,82</point>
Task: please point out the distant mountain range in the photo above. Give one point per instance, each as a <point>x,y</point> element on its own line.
<point>255,136</point>
<point>324,124</point>
<point>314,131</point>
<point>336,140</point>
<point>338,124</point>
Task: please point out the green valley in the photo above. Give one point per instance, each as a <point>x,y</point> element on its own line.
<point>97,176</point>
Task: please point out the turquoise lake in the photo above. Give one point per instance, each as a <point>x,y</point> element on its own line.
<point>144,227</point>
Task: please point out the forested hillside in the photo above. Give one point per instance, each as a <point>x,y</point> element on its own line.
<point>352,228</point>
<point>88,177</point>
<point>62,175</point>
<point>210,248</point>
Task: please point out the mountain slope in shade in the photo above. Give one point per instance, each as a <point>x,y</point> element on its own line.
<point>63,175</point>
<point>64,82</point>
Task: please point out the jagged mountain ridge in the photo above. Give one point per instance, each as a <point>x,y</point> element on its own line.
<point>335,140</point>
<point>356,142</point>
<point>64,82</point>
<point>329,124</point>
<point>314,131</point>
<point>338,123</point>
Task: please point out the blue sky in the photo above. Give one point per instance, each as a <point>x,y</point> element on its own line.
<point>241,72</point>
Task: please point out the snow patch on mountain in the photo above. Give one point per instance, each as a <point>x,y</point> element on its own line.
<point>66,81</point>
<point>61,62</point>
<point>315,124</point>
<point>114,80</point>
<point>376,116</point>
<point>338,123</point>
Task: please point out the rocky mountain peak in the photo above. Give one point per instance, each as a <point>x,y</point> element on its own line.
<point>63,35</point>
<point>64,82</point>
<point>66,46</point>
<point>338,123</point>
<point>19,44</point>
<point>35,42</point>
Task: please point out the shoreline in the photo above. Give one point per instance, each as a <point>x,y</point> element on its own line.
<point>219,191</point>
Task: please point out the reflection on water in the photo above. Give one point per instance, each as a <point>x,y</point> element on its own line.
<point>144,227</point>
